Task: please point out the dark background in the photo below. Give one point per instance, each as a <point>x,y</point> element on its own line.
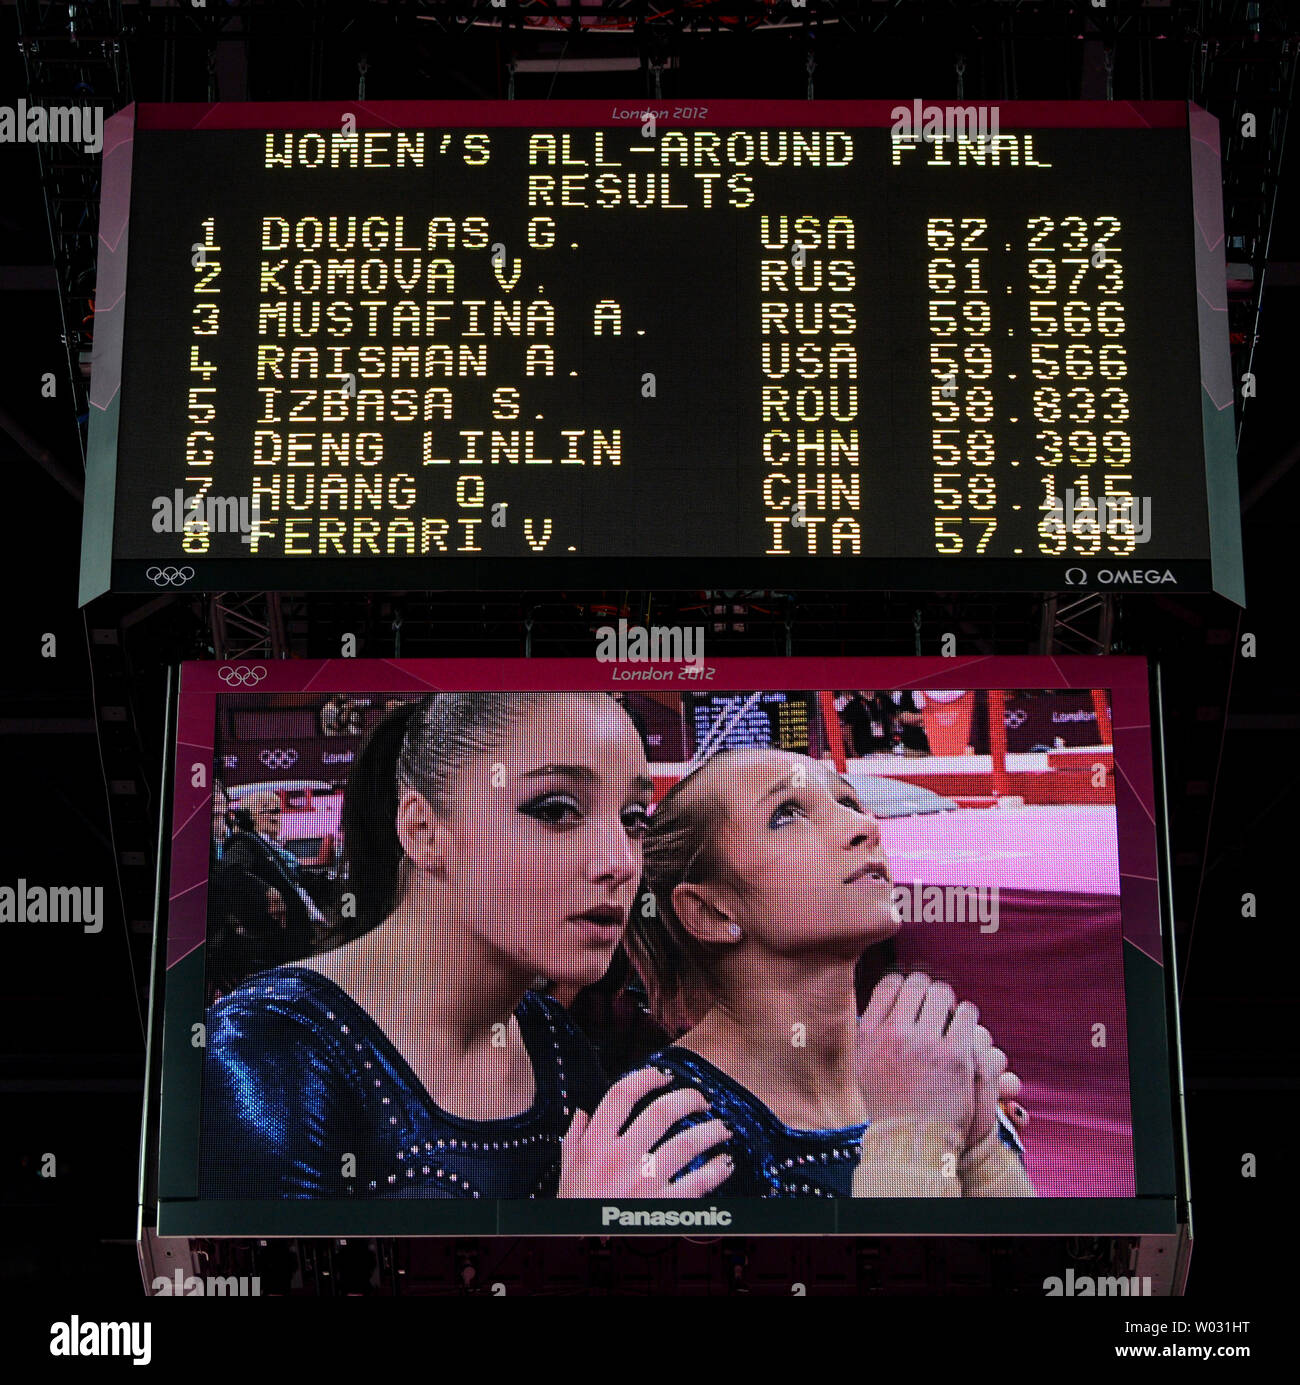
<point>83,731</point>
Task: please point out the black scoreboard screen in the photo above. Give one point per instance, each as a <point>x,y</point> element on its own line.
<point>846,344</point>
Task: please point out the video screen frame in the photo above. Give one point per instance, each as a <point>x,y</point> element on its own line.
<point>1152,1042</point>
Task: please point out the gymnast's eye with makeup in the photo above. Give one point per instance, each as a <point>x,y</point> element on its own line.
<point>636,819</point>
<point>554,809</point>
<point>787,813</point>
<point>850,802</point>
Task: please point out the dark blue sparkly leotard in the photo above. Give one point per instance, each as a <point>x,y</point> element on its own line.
<point>772,1159</point>
<point>297,1075</point>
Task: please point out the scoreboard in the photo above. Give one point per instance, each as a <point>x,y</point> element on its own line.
<point>503,344</point>
<point>766,719</point>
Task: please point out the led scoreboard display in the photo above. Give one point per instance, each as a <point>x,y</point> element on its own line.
<point>730,721</point>
<point>490,345</point>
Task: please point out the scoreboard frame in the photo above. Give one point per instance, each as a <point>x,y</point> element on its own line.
<point>1218,568</point>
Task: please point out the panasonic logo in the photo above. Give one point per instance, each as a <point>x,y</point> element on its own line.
<point>616,1216</point>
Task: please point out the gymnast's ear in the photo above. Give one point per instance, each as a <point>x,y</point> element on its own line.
<point>421,833</point>
<point>705,912</point>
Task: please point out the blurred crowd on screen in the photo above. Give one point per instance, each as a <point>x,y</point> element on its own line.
<point>264,908</point>
<point>882,723</point>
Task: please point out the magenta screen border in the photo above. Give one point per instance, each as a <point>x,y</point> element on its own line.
<point>381,115</point>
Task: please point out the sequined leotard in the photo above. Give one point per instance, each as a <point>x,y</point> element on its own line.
<point>297,1076</point>
<point>772,1159</point>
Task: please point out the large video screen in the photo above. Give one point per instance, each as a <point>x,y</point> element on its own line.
<point>440,345</point>
<point>537,948</point>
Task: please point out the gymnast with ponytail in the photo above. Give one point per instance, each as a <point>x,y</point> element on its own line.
<point>771,884</point>
<point>493,850</point>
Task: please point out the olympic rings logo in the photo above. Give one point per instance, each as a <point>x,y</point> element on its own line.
<point>241,675</point>
<point>1015,718</point>
<point>279,759</point>
<point>170,576</point>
